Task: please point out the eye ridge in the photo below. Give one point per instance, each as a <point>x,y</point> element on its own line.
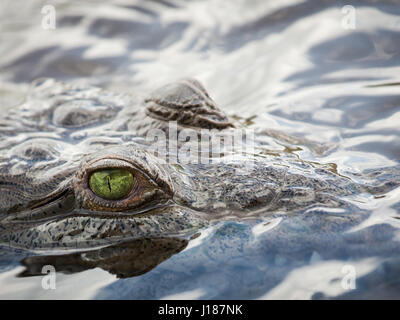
<point>111,183</point>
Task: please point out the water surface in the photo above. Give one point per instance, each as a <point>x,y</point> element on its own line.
<point>291,66</point>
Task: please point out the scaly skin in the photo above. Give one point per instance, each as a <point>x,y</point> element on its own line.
<point>63,133</point>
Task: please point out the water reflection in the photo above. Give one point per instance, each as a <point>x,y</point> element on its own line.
<point>125,260</point>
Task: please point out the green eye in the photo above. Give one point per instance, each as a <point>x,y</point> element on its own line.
<point>111,184</point>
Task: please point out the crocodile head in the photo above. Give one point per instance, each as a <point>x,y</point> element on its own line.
<point>81,167</point>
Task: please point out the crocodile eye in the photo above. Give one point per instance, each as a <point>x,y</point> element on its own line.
<point>126,184</point>
<point>111,184</point>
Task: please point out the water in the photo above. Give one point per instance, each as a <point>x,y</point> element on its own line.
<point>294,66</point>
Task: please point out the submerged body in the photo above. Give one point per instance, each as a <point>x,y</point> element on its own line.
<point>81,167</point>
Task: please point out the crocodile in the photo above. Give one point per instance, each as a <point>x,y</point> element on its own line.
<point>82,167</point>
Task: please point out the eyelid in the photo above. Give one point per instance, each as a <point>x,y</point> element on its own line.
<point>135,159</point>
<point>114,163</point>
<point>107,163</point>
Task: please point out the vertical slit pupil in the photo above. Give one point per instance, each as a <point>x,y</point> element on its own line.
<point>108,182</point>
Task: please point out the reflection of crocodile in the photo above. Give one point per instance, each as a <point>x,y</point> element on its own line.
<point>77,171</point>
<point>126,259</point>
